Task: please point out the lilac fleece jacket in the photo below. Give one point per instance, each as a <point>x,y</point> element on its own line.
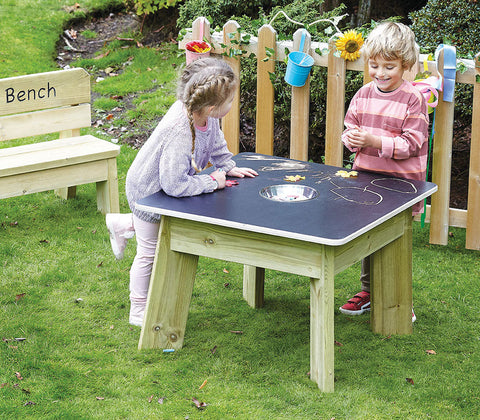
<point>164,161</point>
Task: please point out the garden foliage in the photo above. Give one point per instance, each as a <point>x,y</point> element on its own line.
<point>147,7</point>
<point>220,11</point>
<point>453,22</point>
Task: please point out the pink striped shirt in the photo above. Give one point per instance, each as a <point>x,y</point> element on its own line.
<point>400,118</point>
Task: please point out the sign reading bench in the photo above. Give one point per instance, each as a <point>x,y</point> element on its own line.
<point>30,94</point>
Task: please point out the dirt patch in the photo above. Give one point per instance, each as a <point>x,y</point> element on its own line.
<point>75,43</point>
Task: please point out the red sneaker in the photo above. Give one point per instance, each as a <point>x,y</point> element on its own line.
<point>357,305</point>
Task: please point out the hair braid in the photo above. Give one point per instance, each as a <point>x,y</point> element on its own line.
<point>204,83</point>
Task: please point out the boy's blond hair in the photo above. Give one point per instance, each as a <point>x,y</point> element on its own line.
<point>392,41</point>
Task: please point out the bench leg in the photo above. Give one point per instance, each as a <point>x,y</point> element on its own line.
<point>67,192</point>
<point>107,191</point>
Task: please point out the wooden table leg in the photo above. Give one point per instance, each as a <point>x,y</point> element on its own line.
<point>321,325</point>
<point>391,284</point>
<point>253,285</point>
<point>169,295</point>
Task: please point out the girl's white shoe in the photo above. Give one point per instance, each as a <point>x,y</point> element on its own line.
<point>137,310</point>
<point>120,229</point>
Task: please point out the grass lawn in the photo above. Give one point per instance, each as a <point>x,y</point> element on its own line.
<point>68,352</point>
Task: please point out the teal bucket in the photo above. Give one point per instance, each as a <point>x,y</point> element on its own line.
<point>298,66</point>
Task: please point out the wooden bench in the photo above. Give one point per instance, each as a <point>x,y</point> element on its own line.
<point>54,102</point>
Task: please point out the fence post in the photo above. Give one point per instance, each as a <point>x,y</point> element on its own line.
<point>231,122</point>
<point>441,167</point>
<point>267,38</point>
<point>473,206</point>
<point>300,108</point>
<point>201,26</point>
<point>337,69</point>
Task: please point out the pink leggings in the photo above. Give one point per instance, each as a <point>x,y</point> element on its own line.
<point>141,270</point>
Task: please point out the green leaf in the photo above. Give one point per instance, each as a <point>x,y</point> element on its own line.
<point>272,77</point>
<point>461,67</point>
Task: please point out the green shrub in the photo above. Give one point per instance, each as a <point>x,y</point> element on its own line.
<point>147,7</point>
<point>219,12</point>
<point>454,22</point>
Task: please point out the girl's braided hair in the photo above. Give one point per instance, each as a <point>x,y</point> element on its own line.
<point>205,82</point>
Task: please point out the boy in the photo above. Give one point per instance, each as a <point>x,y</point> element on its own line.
<point>387,124</point>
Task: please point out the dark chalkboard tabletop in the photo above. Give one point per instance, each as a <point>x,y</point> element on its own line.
<point>343,208</point>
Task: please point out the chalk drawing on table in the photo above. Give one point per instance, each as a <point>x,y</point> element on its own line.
<point>285,166</point>
<point>364,196</point>
<point>358,195</point>
<point>322,176</point>
<point>395,184</point>
<point>256,157</point>
<point>279,164</point>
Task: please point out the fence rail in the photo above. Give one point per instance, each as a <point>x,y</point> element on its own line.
<point>438,214</point>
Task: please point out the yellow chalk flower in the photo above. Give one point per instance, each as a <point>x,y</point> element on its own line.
<point>291,178</point>
<point>349,45</point>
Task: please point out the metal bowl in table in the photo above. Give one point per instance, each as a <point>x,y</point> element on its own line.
<point>288,193</point>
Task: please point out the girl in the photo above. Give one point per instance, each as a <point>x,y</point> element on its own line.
<point>187,138</point>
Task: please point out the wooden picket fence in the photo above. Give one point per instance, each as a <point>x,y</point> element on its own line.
<point>438,213</point>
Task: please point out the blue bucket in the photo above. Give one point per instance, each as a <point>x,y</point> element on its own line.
<point>298,66</point>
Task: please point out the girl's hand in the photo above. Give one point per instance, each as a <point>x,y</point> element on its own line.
<point>219,176</point>
<point>242,172</point>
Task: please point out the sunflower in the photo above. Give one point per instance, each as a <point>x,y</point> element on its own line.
<point>349,44</point>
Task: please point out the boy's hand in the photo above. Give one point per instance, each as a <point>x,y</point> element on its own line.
<point>242,172</point>
<point>359,138</point>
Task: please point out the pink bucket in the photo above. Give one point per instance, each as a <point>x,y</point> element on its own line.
<point>197,49</point>
<point>193,55</point>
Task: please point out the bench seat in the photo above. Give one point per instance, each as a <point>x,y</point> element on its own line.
<point>57,164</point>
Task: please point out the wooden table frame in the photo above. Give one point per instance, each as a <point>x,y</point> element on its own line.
<point>182,241</point>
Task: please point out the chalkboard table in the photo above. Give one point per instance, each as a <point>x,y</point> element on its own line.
<point>317,233</point>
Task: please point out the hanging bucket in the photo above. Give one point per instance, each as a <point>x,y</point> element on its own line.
<point>197,49</point>
<point>299,65</point>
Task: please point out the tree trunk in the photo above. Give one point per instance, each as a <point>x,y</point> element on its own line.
<point>364,12</point>
<point>328,5</point>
